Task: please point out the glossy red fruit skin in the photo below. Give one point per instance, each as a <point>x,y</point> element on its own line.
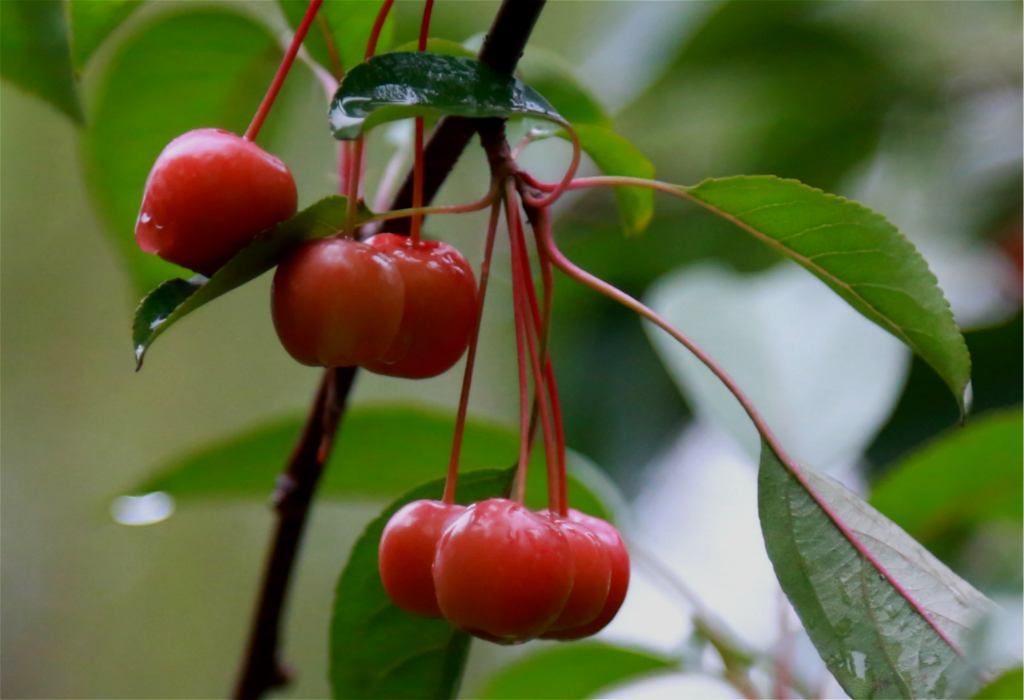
<point>209,194</point>
<point>592,572</point>
<point>502,572</point>
<point>337,303</point>
<point>440,307</point>
<point>406,554</point>
<point>619,584</point>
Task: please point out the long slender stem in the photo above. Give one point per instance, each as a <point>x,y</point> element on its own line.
<point>566,179</point>
<point>511,212</point>
<point>282,72</point>
<point>417,193</point>
<point>467,377</point>
<point>378,25</point>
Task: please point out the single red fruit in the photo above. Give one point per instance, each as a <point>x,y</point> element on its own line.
<point>502,572</point>
<point>592,572</point>
<point>337,303</point>
<point>440,307</point>
<point>619,559</point>
<point>209,194</point>
<point>406,554</point>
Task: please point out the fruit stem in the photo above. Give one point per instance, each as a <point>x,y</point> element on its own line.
<point>566,179</point>
<point>519,492</point>
<point>486,201</point>
<point>417,187</point>
<point>354,172</point>
<point>282,72</point>
<point>526,299</point>
<point>467,377</point>
<point>378,25</point>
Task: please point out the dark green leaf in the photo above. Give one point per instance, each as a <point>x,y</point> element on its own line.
<point>968,476</point>
<point>857,253</point>
<point>348,24</point>
<point>381,452</point>
<point>400,85</point>
<point>614,155</point>
<point>888,618</point>
<point>552,76</point>
<point>156,313</point>
<point>202,68</point>
<point>35,52</point>
<point>572,671</point>
<point>1009,686</point>
<point>380,651</point>
<point>446,47</point>
<point>92,22</point>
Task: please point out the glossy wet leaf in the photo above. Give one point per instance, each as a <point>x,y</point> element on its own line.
<point>888,618</point>
<point>569,671</point>
<point>400,85</point>
<point>35,52</point>
<point>347,23</point>
<point>200,68</point>
<point>1009,686</point>
<point>381,452</point>
<point>857,253</point>
<point>969,475</point>
<point>92,22</point>
<point>380,651</point>
<point>175,299</point>
<point>614,155</point>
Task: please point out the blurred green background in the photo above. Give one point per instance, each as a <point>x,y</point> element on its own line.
<point>914,108</point>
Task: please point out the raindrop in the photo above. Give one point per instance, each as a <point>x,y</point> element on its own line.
<point>142,510</point>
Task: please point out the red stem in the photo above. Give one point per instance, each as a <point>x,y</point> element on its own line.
<point>371,45</point>
<point>417,187</point>
<point>354,176</point>
<point>467,377</point>
<point>511,214</point>
<point>282,72</point>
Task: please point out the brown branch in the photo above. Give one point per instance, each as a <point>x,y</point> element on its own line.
<point>263,668</point>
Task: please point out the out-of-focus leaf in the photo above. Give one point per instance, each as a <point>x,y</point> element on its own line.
<point>857,253</point>
<point>200,68</point>
<point>400,85</point>
<point>446,47</point>
<point>381,452</point>
<point>92,22</point>
<point>614,155</point>
<point>571,671</point>
<point>552,76</point>
<point>1009,686</point>
<point>380,651</point>
<point>968,476</point>
<point>176,298</point>
<point>888,618</point>
<point>348,23</point>
<point>35,52</point>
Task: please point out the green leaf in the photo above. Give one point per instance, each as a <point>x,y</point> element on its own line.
<point>35,52</point>
<point>400,85</point>
<point>1008,686</point>
<point>200,68</point>
<point>445,47</point>
<point>174,299</point>
<point>961,479</point>
<point>92,22</point>
<point>381,452</point>
<point>615,156</point>
<point>347,23</point>
<point>380,651</point>
<point>857,253</point>
<point>572,671</point>
<point>552,76</point>
<point>888,618</point>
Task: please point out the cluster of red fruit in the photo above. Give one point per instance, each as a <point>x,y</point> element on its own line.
<point>503,572</point>
<point>395,306</point>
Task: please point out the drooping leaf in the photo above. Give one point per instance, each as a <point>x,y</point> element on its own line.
<point>857,253</point>
<point>1009,686</point>
<point>347,23</point>
<point>400,85</point>
<point>174,299</point>
<point>200,68</point>
<point>35,52</point>
<point>381,452</point>
<point>572,671</point>
<point>92,22</point>
<point>888,618</point>
<point>614,155</point>
<point>380,651</point>
<point>968,476</point>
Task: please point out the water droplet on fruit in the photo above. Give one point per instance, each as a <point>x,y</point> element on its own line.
<point>145,218</point>
<point>142,510</point>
